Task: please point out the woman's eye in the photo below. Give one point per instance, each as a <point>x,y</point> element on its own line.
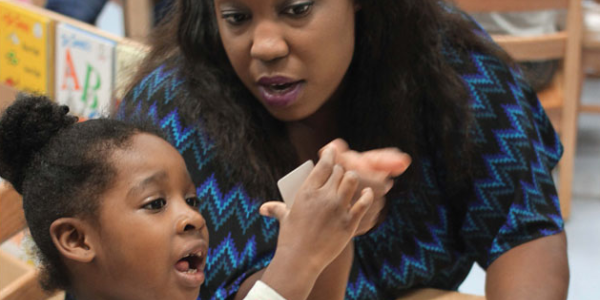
<point>156,204</point>
<point>235,18</point>
<point>298,10</point>
<point>193,202</point>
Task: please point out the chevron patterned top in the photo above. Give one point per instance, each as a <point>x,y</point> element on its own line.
<point>429,238</point>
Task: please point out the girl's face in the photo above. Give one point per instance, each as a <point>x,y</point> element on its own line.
<point>153,239</point>
<point>291,54</point>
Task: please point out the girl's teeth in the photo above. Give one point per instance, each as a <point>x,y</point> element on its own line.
<point>199,254</point>
<point>192,271</point>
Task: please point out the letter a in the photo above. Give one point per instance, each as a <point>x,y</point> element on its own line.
<point>70,72</point>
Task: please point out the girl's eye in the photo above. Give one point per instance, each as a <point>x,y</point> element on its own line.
<point>235,18</point>
<point>193,202</point>
<point>156,204</point>
<point>299,10</point>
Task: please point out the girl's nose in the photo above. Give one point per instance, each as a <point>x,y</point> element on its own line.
<point>268,42</point>
<point>190,220</point>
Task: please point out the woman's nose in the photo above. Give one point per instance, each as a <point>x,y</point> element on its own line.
<point>268,42</point>
<point>190,220</point>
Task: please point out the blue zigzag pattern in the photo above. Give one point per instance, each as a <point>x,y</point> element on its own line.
<point>501,167</point>
<point>481,85</point>
<point>519,149</point>
<point>189,138</point>
<point>226,255</point>
<point>161,79</point>
<point>421,243</point>
<point>362,288</point>
<point>219,207</point>
<point>484,83</point>
<point>420,263</point>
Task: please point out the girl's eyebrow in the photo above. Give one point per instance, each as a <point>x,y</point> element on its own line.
<point>152,179</point>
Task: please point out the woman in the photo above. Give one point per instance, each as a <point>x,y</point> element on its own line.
<point>249,89</point>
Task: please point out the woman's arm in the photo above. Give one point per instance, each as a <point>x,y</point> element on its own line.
<point>535,270</point>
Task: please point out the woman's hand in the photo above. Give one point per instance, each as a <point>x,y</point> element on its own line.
<point>324,217</point>
<point>375,169</point>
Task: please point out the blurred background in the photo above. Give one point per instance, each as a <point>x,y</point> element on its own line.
<point>581,55</point>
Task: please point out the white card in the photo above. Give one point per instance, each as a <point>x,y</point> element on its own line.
<point>290,183</point>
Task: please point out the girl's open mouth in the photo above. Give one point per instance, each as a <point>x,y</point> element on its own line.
<point>191,268</point>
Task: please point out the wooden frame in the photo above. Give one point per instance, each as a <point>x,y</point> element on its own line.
<point>139,16</point>
<point>473,6</point>
<point>11,212</point>
<point>549,46</point>
<point>25,285</point>
<point>591,59</point>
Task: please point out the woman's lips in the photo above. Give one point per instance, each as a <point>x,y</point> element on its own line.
<point>279,91</point>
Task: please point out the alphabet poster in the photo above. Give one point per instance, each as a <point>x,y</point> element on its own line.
<point>84,71</point>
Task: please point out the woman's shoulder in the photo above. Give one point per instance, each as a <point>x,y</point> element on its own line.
<point>161,94</point>
<point>162,97</point>
<point>504,107</point>
<point>500,98</point>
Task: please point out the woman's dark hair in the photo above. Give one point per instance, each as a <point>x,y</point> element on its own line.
<point>60,167</point>
<point>400,89</point>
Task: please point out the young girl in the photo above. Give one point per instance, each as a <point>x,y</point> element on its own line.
<point>114,213</point>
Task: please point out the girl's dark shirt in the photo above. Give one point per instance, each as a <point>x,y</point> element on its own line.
<point>430,238</point>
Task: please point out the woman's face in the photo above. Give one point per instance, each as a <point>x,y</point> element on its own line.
<point>291,54</point>
<point>153,239</point>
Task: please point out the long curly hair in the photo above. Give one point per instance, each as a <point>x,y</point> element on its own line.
<point>400,89</point>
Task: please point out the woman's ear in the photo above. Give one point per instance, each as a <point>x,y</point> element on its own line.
<point>73,239</point>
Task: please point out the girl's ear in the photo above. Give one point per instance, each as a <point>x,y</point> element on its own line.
<point>74,239</point>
